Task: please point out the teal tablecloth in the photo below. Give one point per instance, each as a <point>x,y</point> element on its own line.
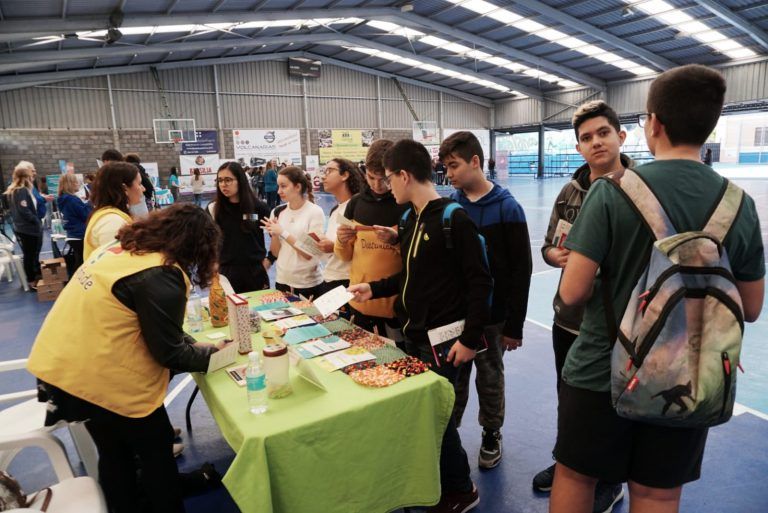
<point>348,449</point>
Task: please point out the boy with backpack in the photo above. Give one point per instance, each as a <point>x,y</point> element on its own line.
<point>501,221</point>
<point>444,288</point>
<point>599,138</point>
<point>667,316</point>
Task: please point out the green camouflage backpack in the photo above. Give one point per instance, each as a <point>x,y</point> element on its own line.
<point>680,337</point>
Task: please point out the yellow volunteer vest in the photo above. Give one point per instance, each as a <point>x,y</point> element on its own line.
<point>88,245</point>
<point>90,344</point>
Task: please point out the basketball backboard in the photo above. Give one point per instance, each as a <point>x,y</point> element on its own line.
<point>174,130</point>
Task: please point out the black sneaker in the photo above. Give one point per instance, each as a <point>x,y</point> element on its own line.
<point>490,449</point>
<point>542,482</point>
<point>607,495</point>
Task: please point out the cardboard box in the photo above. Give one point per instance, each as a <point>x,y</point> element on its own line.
<point>48,291</point>
<point>54,270</point>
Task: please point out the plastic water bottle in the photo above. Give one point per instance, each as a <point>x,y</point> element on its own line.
<point>256,383</point>
<point>195,313</point>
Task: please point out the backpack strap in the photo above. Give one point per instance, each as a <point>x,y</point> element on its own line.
<point>644,201</point>
<point>725,212</point>
<point>448,211</point>
<point>279,209</point>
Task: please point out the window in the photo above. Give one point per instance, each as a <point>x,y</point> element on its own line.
<point>761,136</point>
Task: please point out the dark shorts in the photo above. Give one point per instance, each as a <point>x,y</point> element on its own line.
<point>593,440</point>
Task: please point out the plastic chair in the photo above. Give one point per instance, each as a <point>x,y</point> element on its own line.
<point>9,261</point>
<point>71,494</point>
<point>28,417</point>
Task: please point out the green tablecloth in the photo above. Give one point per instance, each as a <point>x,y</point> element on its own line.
<point>350,449</point>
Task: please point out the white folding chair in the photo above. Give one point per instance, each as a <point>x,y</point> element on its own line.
<point>70,494</point>
<point>28,417</point>
<point>11,261</point>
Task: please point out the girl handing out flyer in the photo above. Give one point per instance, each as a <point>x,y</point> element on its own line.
<point>298,264</point>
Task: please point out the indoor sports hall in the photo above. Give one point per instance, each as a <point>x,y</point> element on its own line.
<point>190,85</point>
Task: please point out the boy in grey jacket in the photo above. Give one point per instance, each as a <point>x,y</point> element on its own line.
<point>599,139</point>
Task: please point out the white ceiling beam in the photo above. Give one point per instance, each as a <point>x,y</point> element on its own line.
<point>24,60</point>
<point>35,79</point>
<point>600,34</point>
<point>19,30</point>
<point>27,28</point>
<point>759,35</point>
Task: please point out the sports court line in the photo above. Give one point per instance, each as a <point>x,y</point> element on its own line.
<point>177,390</point>
<point>545,272</point>
<point>738,408</point>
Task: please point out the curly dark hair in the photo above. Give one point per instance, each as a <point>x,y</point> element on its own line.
<point>356,181</point>
<point>107,189</point>
<point>184,233</point>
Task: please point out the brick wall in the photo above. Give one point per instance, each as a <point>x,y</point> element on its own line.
<point>46,147</point>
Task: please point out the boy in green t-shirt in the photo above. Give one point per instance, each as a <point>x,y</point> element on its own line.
<point>593,442</point>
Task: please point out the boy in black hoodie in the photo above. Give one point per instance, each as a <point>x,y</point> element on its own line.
<point>438,286</point>
<point>501,220</point>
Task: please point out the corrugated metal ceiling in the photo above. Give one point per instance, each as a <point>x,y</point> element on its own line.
<point>604,16</point>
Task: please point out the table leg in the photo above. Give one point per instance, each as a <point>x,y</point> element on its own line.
<point>189,408</point>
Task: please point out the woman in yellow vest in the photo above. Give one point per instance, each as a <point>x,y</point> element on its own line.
<point>115,190</point>
<point>104,351</point>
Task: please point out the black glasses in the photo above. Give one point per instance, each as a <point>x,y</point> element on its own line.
<point>225,181</point>
<point>642,119</point>
<point>329,170</point>
<point>387,178</point>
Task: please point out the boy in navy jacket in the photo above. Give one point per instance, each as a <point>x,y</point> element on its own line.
<point>501,221</point>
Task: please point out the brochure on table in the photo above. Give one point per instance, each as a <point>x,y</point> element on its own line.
<point>280,313</point>
<point>340,359</point>
<point>319,347</point>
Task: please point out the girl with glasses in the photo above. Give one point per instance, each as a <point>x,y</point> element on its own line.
<point>238,213</point>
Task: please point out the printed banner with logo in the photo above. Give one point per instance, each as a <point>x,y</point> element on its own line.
<point>312,167</point>
<point>153,171</point>
<point>346,144</point>
<point>257,147</point>
<point>207,143</point>
<point>207,164</point>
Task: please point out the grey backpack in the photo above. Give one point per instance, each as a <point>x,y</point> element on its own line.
<point>678,344</point>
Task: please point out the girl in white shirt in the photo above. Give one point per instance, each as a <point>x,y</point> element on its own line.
<point>343,179</point>
<point>298,270</point>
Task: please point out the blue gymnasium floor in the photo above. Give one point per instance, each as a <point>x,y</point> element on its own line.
<point>735,471</point>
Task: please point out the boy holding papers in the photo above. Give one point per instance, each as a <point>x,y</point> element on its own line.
<point>443,292</point>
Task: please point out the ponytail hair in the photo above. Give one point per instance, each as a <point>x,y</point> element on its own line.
<point>298,177</point>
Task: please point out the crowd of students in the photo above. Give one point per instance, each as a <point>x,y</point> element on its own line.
<point>415,262</point>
